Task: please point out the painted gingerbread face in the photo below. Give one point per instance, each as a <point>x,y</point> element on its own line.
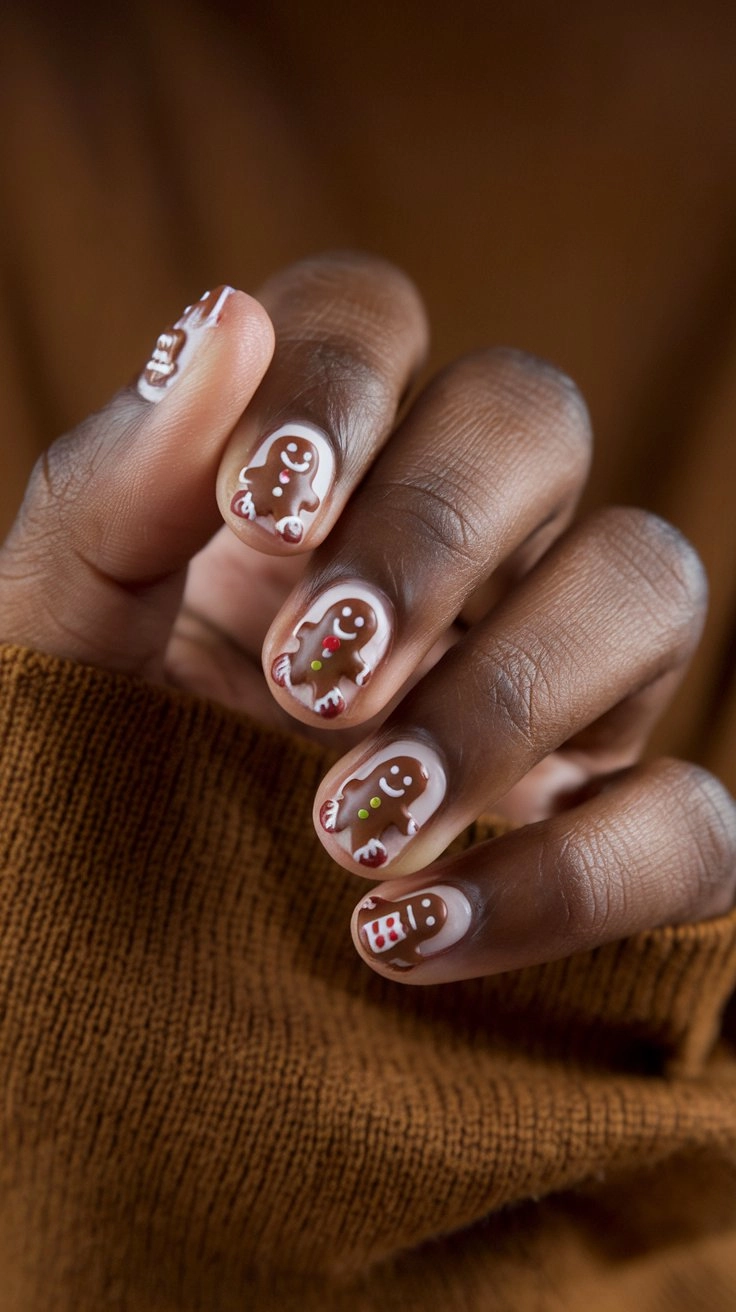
<point>284,483</point>
<point>296,457</point>
<point>335,650</point>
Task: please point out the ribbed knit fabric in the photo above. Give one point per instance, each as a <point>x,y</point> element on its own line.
<point>208,1102</point>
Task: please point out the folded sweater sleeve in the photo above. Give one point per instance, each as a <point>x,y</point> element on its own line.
<point>208,1101</point>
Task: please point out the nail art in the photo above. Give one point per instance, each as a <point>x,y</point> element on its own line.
<point>370,815</point>
<point>404,933</point>
<point>285,483</point>
<point>174,345</point>
<point>335,648</point>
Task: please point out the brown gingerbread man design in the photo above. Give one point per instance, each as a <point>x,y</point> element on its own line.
<point>281,488</point>
<point>163,362</point>
<point>329,650</point>
<point>369,807</point>
<point>394,932</point>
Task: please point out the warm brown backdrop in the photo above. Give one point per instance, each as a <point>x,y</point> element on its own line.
<point>560,178</point>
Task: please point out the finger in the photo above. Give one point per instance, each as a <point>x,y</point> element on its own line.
<point>94,565</point>
<point>486,468</point>
<point>659,848</point>
<point>350,333</point>
<point>614,607</point>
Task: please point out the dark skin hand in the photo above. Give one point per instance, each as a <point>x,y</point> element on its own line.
<point>416,592</point>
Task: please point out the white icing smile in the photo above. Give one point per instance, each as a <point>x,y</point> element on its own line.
<point>294,464</point>
<point>388,790</point>
<point>342,634</point>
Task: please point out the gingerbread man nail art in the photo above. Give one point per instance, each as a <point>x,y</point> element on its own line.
<point>285,483</point>
<point>377,811</point>
<point>163,362</point>
<point>405,932</point>
<point>174,346</point>
<point>336,648</point>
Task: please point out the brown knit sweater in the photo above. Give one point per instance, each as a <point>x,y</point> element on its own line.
<point>209,1103</point>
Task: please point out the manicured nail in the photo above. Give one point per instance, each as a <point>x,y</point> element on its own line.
<point>175,346</point>
<point>286,480</point>
<point>379,808</point>
<point>404,933</point>
<point>335,648</point>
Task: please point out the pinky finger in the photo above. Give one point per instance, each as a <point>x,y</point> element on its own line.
<point>658,847</point>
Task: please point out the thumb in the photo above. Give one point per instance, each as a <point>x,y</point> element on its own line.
<point>94,566</point>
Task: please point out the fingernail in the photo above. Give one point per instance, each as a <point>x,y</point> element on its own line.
<point>379,808</point>
<point>176,345</point>
<point>283,485</point>
<point>335,648</point>
<point>405,932</point>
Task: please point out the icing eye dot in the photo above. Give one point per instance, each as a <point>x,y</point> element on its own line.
<point>291,446</point>
<point>359,622</point>
<point>394,769</point>
<point>426,902</point>
<point>407,780</point>
<point>307,456</point>
<point>430,921</point>
<point>347,610</point>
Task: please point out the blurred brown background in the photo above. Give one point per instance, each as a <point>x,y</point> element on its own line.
<point>556,177</point>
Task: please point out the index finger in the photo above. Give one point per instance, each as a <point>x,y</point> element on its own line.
<point>351,332</point>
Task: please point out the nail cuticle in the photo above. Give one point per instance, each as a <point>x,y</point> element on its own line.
<point>283,485</point>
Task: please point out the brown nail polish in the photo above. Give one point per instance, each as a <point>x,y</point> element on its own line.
<point>335,648</point>
<point>377,810</point>
<point>284,484</point>
<point>175,345</point>
<point>409,930</point>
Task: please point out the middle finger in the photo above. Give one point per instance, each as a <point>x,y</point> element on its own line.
<point>485,470</point>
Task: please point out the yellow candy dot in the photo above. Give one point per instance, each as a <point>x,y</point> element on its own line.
<point>375,802</point>
<point>362,814</point>
<point>316,665</point>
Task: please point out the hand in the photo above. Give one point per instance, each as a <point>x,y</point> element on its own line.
<point>354,552</point>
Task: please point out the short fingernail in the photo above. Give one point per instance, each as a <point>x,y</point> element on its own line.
<point>175,346</point>
<point>335,648</point>
<point>403,933</point>
<point>285,481</point>
<point>380,807</point>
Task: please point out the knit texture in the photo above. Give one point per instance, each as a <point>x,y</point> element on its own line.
<point>210,1103</point>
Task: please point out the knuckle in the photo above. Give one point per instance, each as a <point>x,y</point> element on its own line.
<point>438,518</point>
<point>653,553</point>
<point>332,374</point>
<point>509,389</point>
<point>514,683</point>
<point>708,812</point>
<point>362,299</point>
<point>589,883</point>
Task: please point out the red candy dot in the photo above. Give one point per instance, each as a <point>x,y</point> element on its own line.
<point>331,643</point>
<point>390,921</point>
<point>380,941</point>
<point>393,936</point>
